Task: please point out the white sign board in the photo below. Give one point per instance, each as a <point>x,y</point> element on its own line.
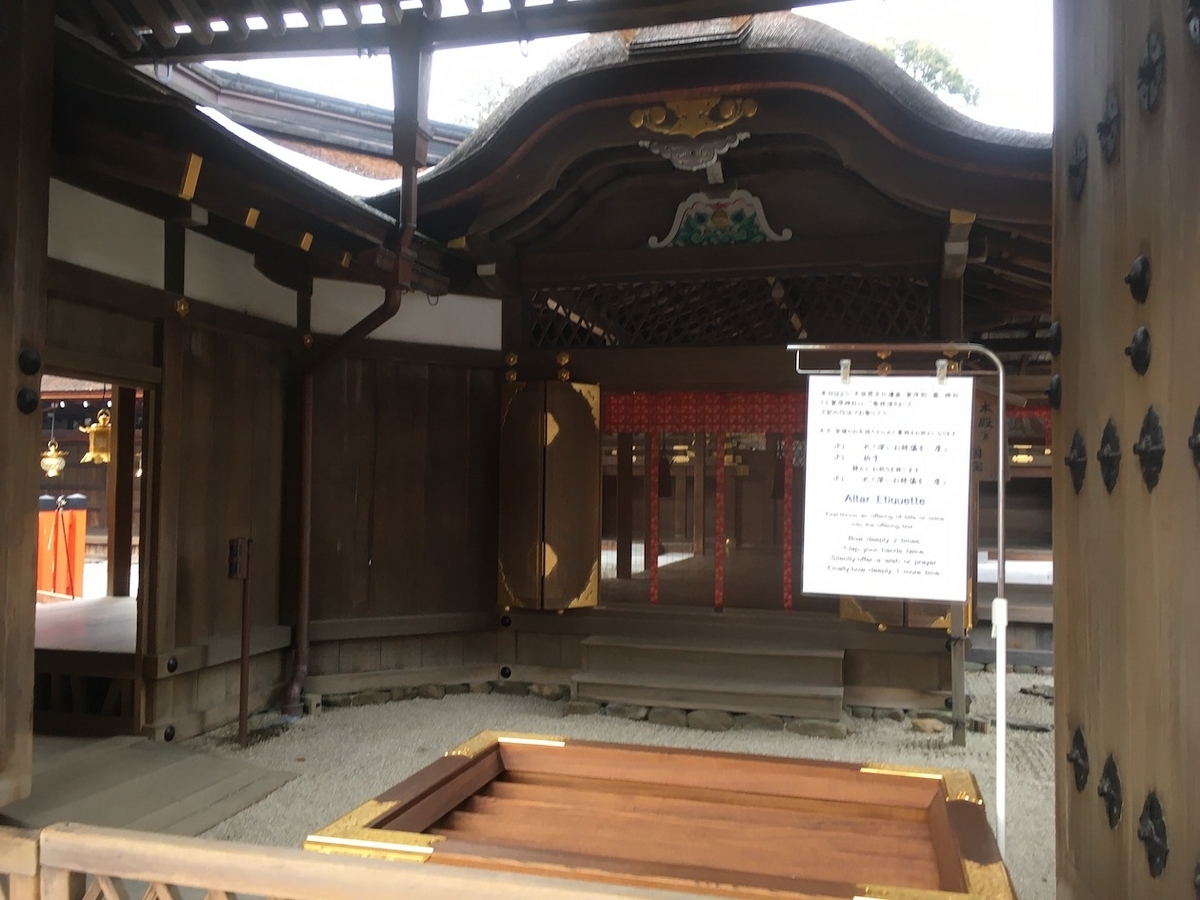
<point>887,487</point>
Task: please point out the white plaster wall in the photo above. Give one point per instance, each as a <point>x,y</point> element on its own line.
<point>225,276</point>
<point>91,231</point>
<point>450,320</point>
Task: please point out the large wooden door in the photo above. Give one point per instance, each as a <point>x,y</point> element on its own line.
<point>1126,616</point>
<point>549,495</point>
<point>26,50</point>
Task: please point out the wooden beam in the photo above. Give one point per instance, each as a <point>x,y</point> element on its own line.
<point>393,13</point>
<point>914,251</point>
<point>161,26</point>
<point>432,8</point>
<point>312,15</point>
<point>26,71</point>
<point>116,23</point>
<point>195,19</point>
<point>239,31</point>
<point>474,29</point>
<point>273,15</point>
<point>350,9</point>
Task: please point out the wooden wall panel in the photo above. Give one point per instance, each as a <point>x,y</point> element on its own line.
<point>404,519</point>
<point>231,452</point>
<point>398,542</point>
<point>1125,563</point>
<point>447,480</point>
<point>343,488</point>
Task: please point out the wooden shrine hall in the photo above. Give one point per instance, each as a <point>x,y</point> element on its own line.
<point>528,415</point>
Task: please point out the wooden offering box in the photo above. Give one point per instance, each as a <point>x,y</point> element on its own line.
<point>713,823</point>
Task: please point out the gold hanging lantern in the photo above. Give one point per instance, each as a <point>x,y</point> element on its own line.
<point>99,439</point>
<point>53,460</point>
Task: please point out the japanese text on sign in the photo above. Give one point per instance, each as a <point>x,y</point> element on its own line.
<point>887,487</point>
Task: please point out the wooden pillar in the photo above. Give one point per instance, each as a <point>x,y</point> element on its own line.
<point>954,265</point>
<point>699,494</point>
<point>1126,618</point>
<point>653,441</point>
<point>624,505</point>
<point>719,530</point>
<point>679,495</point>
<point>26,64</point>
<point>120,491</point>
<point>788,511</point>
<point>161,455</point>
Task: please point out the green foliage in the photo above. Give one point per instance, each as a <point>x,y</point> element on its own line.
<point>933,67</point>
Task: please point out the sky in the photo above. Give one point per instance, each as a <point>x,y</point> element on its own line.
<point>1005,49</point>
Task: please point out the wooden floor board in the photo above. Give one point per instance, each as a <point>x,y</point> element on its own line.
<point>133,782</point>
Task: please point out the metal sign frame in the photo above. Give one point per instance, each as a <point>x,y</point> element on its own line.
<point>946,350</point>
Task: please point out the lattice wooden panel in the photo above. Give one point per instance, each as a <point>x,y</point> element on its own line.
<point>756,311</point>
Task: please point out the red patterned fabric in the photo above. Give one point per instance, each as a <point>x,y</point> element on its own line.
<point>719,540</point>
<point>788,477</point>
<point>652,494</point>
<point>784,411</point>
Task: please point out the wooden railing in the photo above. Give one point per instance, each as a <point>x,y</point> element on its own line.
<point>18,864</point>
<point>70,862</point>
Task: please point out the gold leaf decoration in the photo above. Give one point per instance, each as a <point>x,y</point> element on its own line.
<point>692,118</point>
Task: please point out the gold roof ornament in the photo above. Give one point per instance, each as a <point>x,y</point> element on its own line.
<point>692,118</point>
<point>99,439</point>
<point>53,460</point>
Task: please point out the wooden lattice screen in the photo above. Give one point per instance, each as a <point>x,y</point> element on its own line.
<point>752,311</point>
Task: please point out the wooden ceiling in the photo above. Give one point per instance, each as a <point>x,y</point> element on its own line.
<point>189,30</point>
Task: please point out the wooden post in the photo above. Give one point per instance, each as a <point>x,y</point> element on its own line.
<point>699,495</point>
<point>788,484</point>
<point>26,65</point>
<point>1126,620</point>
<point>679,495</point>
<point>625,506</point>
<point>719,531</point>
<point>653,441</point>
<point>120,492</point>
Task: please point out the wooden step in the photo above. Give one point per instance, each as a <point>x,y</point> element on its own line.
<point>716,660</point>
<point>802,701</point>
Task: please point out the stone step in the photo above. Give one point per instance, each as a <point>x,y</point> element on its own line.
<point>712,660</point>
<point>803,701</point>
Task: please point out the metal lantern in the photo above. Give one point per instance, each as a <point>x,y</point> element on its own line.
<point>53,459</point>
<point>99,439</point>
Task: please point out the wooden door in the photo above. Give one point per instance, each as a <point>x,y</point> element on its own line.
<point>1126,615</point>
<point>549,548</point>
<point>522,465</point>
<point>26,58</point>
<point>571,564</point>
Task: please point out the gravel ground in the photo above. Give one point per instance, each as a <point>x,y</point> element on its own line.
<point>346,756</point>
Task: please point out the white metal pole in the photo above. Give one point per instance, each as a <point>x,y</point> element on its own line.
<point>1000,620</point>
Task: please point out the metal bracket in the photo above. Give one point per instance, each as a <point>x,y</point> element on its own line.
<point>1138,279</point>
<point>1150,449</point>
<point>1054,391</point>
<point>1077,168</point>
<point>1055,338</point>
<point>1078,757</point>
<point>1194,442</point>
<point>1076,460</point>
<point>1109,127</point>
<point>1109,790</point>
<point>1152,831</point>
<point>1109,456</point>
<point>1151,72</point>
<point>1138,350</point>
